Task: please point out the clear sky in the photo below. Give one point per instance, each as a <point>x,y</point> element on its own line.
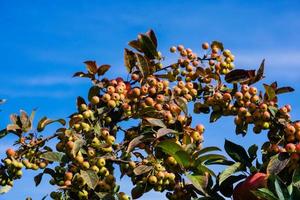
<point>42,43</point>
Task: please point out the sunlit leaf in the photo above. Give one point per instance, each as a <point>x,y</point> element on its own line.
<point>142,169</point>
<point>90,177</point>
<point>53,156</point>
<point>229,171</point>
<point>45,121</point>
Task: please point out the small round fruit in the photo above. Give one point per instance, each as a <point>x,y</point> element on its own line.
<point>290,147</point>
<point>95,100</point>
<point>10,152</point>
<point>152,180</point>
<point>68,176</point>
<point>101,162</point>
<point>205,45</point>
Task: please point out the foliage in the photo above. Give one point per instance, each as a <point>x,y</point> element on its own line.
<point>162,152</point>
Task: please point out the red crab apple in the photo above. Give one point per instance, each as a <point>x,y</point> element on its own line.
<point>243,190</point>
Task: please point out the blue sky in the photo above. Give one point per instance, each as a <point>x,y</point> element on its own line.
<point>42,43</point>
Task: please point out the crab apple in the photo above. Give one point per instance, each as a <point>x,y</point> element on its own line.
<point>95,100</point>
<point>171,161</point>
<point>295,156</point>
<point>110,139</point>
<point>42,165</point>
<point>83,107</point>
<point>83,195</point>
<point>173,49</point>
<point>290,147</point>
<point>196,136</point>
<point>149,101</point>
<point>101,162</point>
<point>152,180</point>
<point>290,129</point>
<point>205,45</point>
<point>79,158</point>
<point>106,97</point>
<point>263,107</point>
<point>111,104</point>
<point>123,196</point>
<point>238,95</point>
<point>297,148</point>
<point>243,190</point>
<point>200,128</point>
<point>288,107</point>
<point>10,152</point>
<point>68,176</point>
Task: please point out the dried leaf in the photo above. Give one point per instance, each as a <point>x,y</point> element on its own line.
<point>152,36</point>
<point>129,60</point>
<point>103,69</point>
<point>142,169</point>
<point>91,66</point>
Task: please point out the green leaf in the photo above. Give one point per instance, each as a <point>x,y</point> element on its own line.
<point>296,193</point>
<point>172,148</point>
<point>53,156</point>
<point>252,151</point>
<point>242,129</point>
<point>142,169</point>
<point>208,149</point>
<point>237,153</point>
<point>5,189</point>
<point>279,192</point>
<point>226,188</point>
<point>214,116</point>
<point>93,91</point>
<point>270,92</point>
<point>45,121</point>
<point>129,60</point>
<point>183,158</point>
<point>156,122</point>
<point>273,110</point>
<point>264,193</point>
<point>277,163</point>
<point>229,171</point>
<point>169,146</point>
<point>296,178</point>
<point>199,182</point>
<point>90,177</point>
<point>38,179</point>
<point>103,69</point>
<point>91,66</point>
<point>206,157</point>
<point>3,133</point>
<point>203,169</point>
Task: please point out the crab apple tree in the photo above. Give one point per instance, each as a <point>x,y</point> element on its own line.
<point>161,151</point>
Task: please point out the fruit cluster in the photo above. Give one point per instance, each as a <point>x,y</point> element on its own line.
<point>161,148</point>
